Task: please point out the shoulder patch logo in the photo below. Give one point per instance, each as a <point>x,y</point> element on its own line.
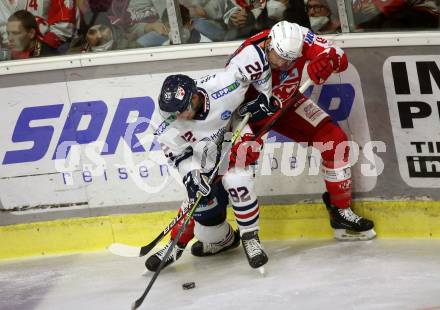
<point>310,37</point>
<point>226,115</point>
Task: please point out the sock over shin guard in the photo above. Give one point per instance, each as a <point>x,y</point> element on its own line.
<point>332,142</point>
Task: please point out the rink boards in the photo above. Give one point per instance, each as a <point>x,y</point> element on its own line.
<point>77,145</point>
<point>397,219</point>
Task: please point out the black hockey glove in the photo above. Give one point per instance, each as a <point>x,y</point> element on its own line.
<point>260,107</point>
<point>195,182</point>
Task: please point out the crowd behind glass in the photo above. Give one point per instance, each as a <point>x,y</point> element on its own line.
<point>34,28</point>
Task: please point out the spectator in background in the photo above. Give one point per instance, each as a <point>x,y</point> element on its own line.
<point>323,18</point>
<point>207,17</point>
<point>90,10</point>
<point>101,37</point>
<point>297,13</point>
<point>146,28</point>
<point>24,40</point>
<point>133,19</point>
<point>247,17</point>
<point>189,33</point>
<point>395,14</point>
<point>57,20</point>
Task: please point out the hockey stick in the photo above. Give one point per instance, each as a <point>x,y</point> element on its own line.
<point>191,211</point>
<point>136,251</point>
<point>291,104</point>
<point>133,251</point>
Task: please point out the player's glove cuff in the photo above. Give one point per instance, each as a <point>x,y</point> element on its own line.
<point>260,107</point>
<point>195,183</point>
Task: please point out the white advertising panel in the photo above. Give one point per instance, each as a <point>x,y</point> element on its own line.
<point>413,90</point>
<point>90,143</point>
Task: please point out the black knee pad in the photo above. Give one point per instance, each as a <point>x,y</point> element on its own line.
<point>212,208</point>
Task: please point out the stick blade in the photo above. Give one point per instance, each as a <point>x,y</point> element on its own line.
<point>124,250</point>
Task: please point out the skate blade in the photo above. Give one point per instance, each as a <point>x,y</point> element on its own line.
<point>350,235</point>
<point>262,271</point>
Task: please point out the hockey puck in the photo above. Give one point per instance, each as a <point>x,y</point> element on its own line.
<point>188,285</point>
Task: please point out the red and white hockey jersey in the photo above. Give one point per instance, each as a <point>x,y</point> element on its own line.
<point>285,83</point>
<point>57,19</point>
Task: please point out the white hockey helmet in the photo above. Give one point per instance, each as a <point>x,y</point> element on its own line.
<point>287,40</point>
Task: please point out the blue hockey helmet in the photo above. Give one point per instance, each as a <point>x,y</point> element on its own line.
<point>176,93</point>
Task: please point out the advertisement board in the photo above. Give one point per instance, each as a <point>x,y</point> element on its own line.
<point>88,143</point>
<point>412,86</point>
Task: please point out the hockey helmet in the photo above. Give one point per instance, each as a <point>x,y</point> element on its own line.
<point>287,40</point>
<point>176,93</point>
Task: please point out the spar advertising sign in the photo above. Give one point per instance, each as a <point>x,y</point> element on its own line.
<point>413,93</point>
<point>86,143</point>
<point>89,143</point>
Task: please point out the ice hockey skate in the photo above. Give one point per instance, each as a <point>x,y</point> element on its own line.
<point>253,249</point>
<point>347,225</point>
<point>207,249</point>
<point>153,262</point>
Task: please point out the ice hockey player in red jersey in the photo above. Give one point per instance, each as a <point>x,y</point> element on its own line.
<point>288,47</point>
<point>272,63</point>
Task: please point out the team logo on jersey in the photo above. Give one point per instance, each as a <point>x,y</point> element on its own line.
<point>310,37</point>
<point>283,75</point>
<point>310,112</point>
<point>263,81</point>
<point>180,93</point>
<point>161,128</point>
<point>224,91</point>
<point>225,115</point>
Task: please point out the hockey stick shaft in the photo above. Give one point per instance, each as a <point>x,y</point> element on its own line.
<point>191,211</point>
<point>126,250</point>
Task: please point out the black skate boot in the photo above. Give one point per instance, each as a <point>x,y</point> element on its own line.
<point>348,225</point>
<point>207,249</point>
<point>252,247</point>
<point>153,262</point>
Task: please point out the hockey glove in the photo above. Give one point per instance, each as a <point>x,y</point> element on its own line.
<point>322,66</point>
<point>260,107</point>
<point>195,182</point>
<point>246,151</point>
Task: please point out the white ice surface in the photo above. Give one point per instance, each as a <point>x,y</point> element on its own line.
<point>379,274</point>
